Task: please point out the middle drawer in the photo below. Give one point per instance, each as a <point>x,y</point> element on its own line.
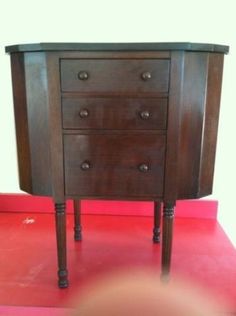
<point>114,113</point>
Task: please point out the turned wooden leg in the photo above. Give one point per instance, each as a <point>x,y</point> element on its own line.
<point>168,216</point>
<point>61,244</point>
<point>77,218</point>
<point>157,222</point>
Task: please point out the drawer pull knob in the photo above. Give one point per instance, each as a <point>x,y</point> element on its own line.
<point>83,75</point>
<point>84,113</point>
<point>144,115</point>
<point>143,167</point>
<point>85,166</point>
<point>146,75</point>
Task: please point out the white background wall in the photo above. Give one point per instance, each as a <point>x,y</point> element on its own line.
<point>208,21</point>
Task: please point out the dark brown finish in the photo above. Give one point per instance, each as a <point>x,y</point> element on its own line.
<point>113,47</point>
<point>108,75</point>
<point>38,106</point>
<point>114,113</point>
<point>114,55</point>
<point>77,220</point>
<point>199,120</point>
<point>33,135</point>
<point>134,164</point>
<point>61,245</point>
<point>117,121</point>
<point>21,121</point>
<point>211,117</point>
<point>157,222</point>
<point>192,116</point>
<point>168,216</point>
<point>173,131</point>
<point>55,128</point>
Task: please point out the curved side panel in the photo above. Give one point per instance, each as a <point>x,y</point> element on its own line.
<point>215,69</point>
<point>191,125</point>
<point>21,121</point>
<point>38,125</point>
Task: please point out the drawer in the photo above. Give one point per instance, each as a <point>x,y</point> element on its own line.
<point>114,113</point>
<point>114,165</point>
<point>115,75</point>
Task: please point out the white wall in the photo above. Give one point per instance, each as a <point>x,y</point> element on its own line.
<point>208,21</point>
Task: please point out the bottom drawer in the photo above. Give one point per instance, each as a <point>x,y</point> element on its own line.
<point>114,165</point>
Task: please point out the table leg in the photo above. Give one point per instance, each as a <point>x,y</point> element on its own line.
<point>61,244</point>
<point>168,216</point>
<point>77,220</point>
<point>157,222</point>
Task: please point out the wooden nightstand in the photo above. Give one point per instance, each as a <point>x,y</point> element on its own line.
<point>133,121</point>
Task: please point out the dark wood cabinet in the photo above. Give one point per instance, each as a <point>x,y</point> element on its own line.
<point>116,121</point>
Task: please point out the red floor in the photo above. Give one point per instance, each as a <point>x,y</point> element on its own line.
<point>201,253</point>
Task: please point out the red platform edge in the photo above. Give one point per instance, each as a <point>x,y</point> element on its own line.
<point>37,311</point>
<point>201,208</point>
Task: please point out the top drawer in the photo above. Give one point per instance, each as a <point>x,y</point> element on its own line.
<point>115,75</point>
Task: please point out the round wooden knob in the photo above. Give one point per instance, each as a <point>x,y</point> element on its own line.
<point>146,75</point>
<point>84,113</point>
<point>143,167</point>
<point>144,115</point>
<point>83,75</point>
<point>85,166</point>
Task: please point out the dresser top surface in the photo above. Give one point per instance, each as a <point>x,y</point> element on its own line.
<point>151,46</point>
